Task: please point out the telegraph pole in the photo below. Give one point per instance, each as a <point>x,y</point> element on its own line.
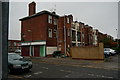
<point>4,19</point>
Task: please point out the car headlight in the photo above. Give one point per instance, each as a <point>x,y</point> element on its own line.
<point>17,65</point>
<point>30,63</point>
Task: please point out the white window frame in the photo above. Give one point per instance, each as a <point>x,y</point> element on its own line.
<point>50,33</point>
<point>68,20</point>
<point>50,19</point>
<point>55,21</point>
<point>15,44</point>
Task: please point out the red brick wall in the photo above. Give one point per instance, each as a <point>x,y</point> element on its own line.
<point>52,41</point>
<point>34,28</point>
<point>61,32</point>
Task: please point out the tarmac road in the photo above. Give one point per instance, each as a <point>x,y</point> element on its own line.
<point>45,70</point>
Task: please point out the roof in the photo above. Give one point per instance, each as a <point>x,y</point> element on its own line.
<point>39,13</point>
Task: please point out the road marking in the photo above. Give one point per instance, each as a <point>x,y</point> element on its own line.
<point>91,74</point>
<point>27,76</point>
<point>61,70</point>
<point>65,70</point>
<point>99,76</point>
<point>38,73</point>
<point>66,76</point>
<point>45,67</point>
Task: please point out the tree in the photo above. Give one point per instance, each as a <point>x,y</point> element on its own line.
<point>106,42</point>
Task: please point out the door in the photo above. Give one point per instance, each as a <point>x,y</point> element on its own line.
<point>42,51</point>
<point>36,51</point>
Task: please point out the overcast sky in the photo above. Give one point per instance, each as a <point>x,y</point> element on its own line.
<point>100,15</point>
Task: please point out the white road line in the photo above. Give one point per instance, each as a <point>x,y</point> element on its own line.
<point>65,70</point>
<point>45,67</point>
<point>38,73</point>
<point>62,70</point>
<point>27,76</point>
<point>91,74</point>
<point>99,76</point>
<point>66,76</point>
<point>108,77</point>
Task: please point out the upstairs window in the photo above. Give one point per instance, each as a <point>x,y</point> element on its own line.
<point>50,19</point>
<point>9,43</point>
<point>14,43</point>
<point>50,33</point>
<point>69,32</point>
<point>55,33</point>
<point>55,21</point>
<point>68,20</point>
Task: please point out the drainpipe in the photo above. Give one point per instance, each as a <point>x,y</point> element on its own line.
<point>64,35</point>
<point>57,36</point>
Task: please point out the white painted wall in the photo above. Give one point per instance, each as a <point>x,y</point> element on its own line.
<point>50,50</point>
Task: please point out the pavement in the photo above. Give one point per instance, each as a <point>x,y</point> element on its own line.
<point>109,63</point>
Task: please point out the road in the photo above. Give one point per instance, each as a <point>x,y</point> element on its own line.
<point>46,70</point>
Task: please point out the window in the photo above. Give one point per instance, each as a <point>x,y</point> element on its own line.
<point>68,20</point>
<point>83,35</point>
<point>55,21</point>
<point>73,35</point>
<point>78,36</point>
<point>68,32</point>
<point>50,19</point>
<point>14,43</point>
<point>9,43</point>
<point>55,32</point>
<point>50,33</point>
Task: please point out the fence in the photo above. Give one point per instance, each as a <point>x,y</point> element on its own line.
<point>88,52</point>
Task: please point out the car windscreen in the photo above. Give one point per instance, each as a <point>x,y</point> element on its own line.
<point>106,49</point>
<point>14,56</point>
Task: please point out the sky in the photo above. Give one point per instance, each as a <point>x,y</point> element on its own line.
<point>100,15</point>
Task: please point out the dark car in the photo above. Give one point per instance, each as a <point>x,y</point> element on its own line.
<point>18,63</point>
<point>58,54</point>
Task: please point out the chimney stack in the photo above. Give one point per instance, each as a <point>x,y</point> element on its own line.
<point>32,8</point>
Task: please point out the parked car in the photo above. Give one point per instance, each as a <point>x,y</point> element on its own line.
<point>58,54</point>
<point>18,51</point>
<point>18,63</point>
<point>109,52</point>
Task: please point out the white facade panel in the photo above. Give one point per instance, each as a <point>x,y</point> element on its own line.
<point>50,50</point>
<point>33,43</point>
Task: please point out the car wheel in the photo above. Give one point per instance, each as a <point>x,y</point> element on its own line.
<point>9,70</point>
<point>28,70</point>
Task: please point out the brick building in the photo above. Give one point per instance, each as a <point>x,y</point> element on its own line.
<point>88,35</point>
<point>14,45</point>
<point>76,34</point>
<point>39,32</point>
<point>64,32</point>
<point>44,32</point>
